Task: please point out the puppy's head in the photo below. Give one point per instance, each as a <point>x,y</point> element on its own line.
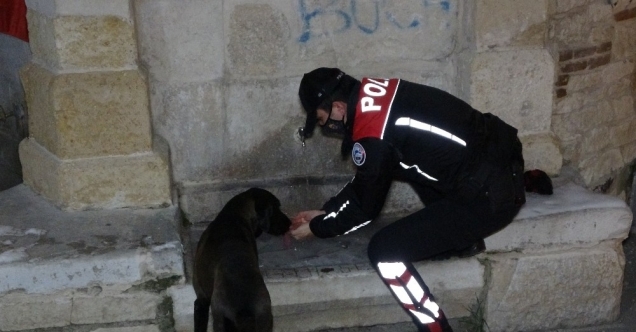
<point>270,218</point>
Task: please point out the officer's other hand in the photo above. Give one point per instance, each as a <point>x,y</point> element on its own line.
<point>299,228</point>
<point>301,231</point>
<point>304,217</point>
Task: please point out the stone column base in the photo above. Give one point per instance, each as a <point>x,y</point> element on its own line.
<point>541,151</point>
<point>135,180</point>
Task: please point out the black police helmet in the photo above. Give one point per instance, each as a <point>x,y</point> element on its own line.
<point>315,87</point>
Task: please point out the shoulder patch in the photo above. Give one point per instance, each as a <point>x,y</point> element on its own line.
<point>358,154</point>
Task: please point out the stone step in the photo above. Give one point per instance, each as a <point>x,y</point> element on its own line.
<point>310,299</point>
<point>86,268</point>
<point>559,264</point>
<point>554,240</point>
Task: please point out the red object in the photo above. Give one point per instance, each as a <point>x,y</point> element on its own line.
<point>13,19</point>
<point>372,111</point>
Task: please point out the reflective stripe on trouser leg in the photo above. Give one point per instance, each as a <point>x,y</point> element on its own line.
<point>413,297</point>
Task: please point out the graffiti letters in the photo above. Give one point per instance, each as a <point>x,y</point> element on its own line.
<point>362,15</point>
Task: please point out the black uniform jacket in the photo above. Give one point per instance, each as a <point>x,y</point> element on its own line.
<point>403,131</point>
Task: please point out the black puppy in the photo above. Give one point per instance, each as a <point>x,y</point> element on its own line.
<point>226,272</point>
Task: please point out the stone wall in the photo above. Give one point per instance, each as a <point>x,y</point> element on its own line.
<point>593,116</point>
<point>222,80</point>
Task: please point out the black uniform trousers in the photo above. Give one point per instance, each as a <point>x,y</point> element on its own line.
<point>446,223</point>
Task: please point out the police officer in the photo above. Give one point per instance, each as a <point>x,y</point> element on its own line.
<point>465,166</point>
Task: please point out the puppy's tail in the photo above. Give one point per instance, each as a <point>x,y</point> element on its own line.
<point>201,315</point>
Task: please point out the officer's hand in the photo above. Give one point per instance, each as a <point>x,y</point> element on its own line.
<point>301,231</point>
<point>305,217</point>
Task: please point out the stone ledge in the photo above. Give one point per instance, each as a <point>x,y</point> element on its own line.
<point>553,241</point>
<point>568,288</point>
<point>75,249</point>
<point>83,268</point>
<point>76,307</point>
<point>571,217</point>
<point>112,258</point>
<point>137,180</point>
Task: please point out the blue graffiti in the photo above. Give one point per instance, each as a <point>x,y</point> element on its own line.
<point>348,16</point>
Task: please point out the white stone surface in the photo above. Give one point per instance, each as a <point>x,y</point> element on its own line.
<point>188,44</point>
<point>22,311</point>
<point>350,298</point>
<point>517,23</point>
<point>565,289</point>
<point>624,46</point>
<point>516,86</point>
<point>53,8</point>
<point>49,276</point>
<point>19,312</point>
<point>541,151</point>
<point>367,34</point>
<point>183,297</point>
<point>90,262</point>
<point>572,216</point>
<point>54,275</point>
<point>144,328</point>
<point>111,308</point>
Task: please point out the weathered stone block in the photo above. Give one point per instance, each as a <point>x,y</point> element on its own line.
<point>22,312</point>
<point>516,23</point>
<point>516,86</point>
<point>567,5</point>
<point>114,308</point>
<point>622,134</point>
<point>349,297</point>
<point>72,43</point>
<point>90,114</point>
<point>585,81</point>
<point>144,328</point>
<point>95,42</point>
<point>196,109</point>
<point>577,100</point>
<point>139,180</point>
<point>572,125</point>
<point>181,50</point>
<point>183,297</point>
<point>624,109</point>
<point>618,70</point>
<point>587,24</point>
<point>262,127</point>
<point>565,289</point>
<point>628,152</point>
<point>542,151</point>
<point>42,39</point>
<point>354,315</point>
<point>53,8</point>
<point>595,167</point>
<point>321,32</point>
<point>570,216</point>
<point>596,139</point>
<point>257,39</point>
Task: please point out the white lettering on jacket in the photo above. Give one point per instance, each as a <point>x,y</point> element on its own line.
<point>374,88</point>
